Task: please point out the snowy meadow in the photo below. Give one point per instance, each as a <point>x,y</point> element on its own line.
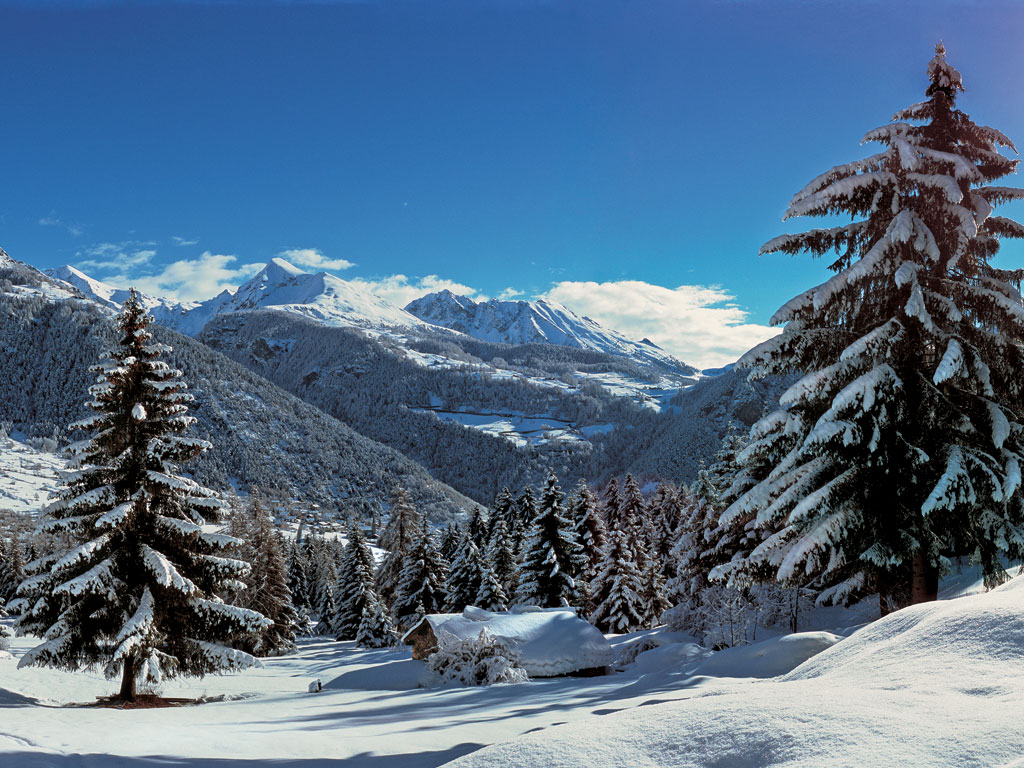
<point>940,684</point>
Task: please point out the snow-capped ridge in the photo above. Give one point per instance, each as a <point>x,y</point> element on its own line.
<point>532,322</point>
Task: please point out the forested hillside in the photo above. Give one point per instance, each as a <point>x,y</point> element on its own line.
<point>263,436</point>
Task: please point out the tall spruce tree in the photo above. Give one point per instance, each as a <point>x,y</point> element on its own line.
<point>617,591</point>
<point>397,540</point>
<point>551,555</point>
<point>376,629</point>
<point>504,510</point>
<point>491,596</point>
<point>900,449</point>
<point>136,591</point>
<point>592,536</point>
<point>464,575</point>
<point>355,587</point>
<point>421,582</point>
<point>267,582</point>
<point>501,559</point>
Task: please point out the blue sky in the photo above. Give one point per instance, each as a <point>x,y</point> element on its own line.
<point>604,153</point>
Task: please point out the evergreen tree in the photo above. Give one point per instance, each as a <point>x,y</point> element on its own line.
<point>491,595</point>
<point>898,450</point>
<point>653,598</point>
<point>665,519</point>
<point>551,555</point>
<point>525,513</point>
<point>464,577</point>
<point>592,536</point>
<point>397,540</point>
<point>501,558</point>
<point>376,629</point>
<point>323,575</point>
<point>610,505</point>
<point>478,529</point>
<point>421,582</point>
<point>504,510</point>
<point>12,567</point>
<point>616,590</point>
<point>355,587</point>
<point>451,538</point>
<point>298,584</point>
<point>267,582</point>
<point>136,591</point>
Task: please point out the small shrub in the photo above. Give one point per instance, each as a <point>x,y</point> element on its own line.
<point>483,660</point>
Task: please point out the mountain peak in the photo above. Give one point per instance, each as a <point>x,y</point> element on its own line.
<point>4,258</point>
<point>277,268</point>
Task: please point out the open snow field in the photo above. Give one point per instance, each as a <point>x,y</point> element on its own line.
<point>940,684</point>
<point>28,477</point>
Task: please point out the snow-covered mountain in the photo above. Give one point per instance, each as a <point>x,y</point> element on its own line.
<point>279,285</point>
<point>178,315</point>
<point>533,322</point>
<point>321,297</point>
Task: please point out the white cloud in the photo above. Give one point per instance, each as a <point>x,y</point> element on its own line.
<point>183,242</point>
<point>55,221</point>
<point>183,280</point>
<point>698,324</point>
<point>109,256</point>
<point>311,257</point>
<point>400,290</point>
<point>509,293</point>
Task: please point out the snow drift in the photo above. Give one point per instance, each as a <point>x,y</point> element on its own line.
<point>938,684</point>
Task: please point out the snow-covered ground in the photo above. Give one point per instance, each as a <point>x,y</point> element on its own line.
<point>28,477</point>
<point>940,684</point>
<point>516,427</point>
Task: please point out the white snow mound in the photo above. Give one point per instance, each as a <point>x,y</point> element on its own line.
<point>939,684</point>
<point>549,642</point>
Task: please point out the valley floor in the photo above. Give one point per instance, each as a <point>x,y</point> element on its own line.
<point>940,684</point>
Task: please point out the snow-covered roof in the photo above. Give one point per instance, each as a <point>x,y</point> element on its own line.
<point>549,641</point>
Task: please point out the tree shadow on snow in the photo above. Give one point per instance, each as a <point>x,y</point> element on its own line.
<point>365,760</point>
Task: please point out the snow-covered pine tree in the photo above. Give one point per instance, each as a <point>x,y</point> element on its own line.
<point>592,536</point>
<point>421,582</point>
<point>653,597</point>
<point>397,539</point>
<point>136,590</point>
<point>12,567</point>
<point>501,558</point>
<point>616,590</point>
<point>491,596</point>
<point>692,554</point>
<point>551,555</point>
<point>504,510</point>
<point>376,629</point>
<point>610,503</point>
<point>631,514</point>
<point>451,537</point>
<point>323,576</point>
<point>665,518</point>
<point>267,583</point>
<point>464,576</point>
<point>525,514</point>
<point>298,583</point>
<point>478,528</point>
<point>900,449</point>
<point>355,586</point>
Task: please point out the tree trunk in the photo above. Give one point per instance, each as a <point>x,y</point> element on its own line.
<point>924,585</point>
<point>127,682</point>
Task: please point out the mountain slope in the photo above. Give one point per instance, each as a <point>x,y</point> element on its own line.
<point>321,297</point>
<point>263,436</point>
<point>534,322</point>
